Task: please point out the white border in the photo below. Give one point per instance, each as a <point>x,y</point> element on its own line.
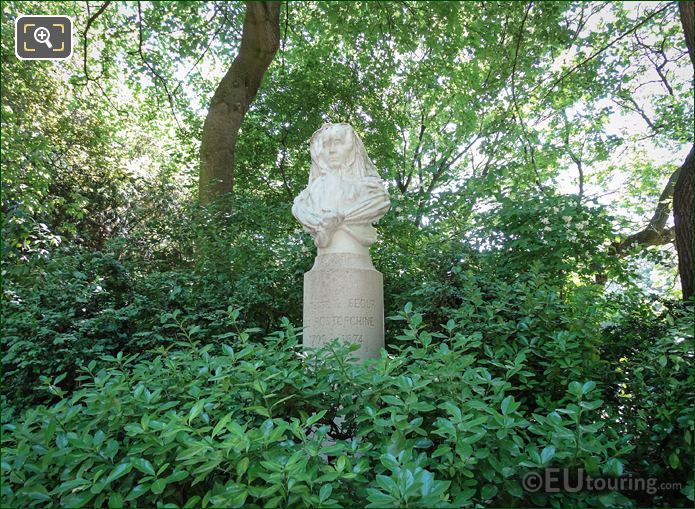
<point>16,39</point>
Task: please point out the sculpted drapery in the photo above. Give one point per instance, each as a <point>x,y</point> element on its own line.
<point>344,192</point>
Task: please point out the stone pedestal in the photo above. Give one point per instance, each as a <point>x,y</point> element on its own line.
<point>344,299</point>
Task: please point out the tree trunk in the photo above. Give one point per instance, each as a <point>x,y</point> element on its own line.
<point>683,219</point>
<point>683,192</point>
<point>686,11</point>
<point>260,41</point>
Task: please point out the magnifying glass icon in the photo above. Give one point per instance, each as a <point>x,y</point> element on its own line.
<point>43,36</point>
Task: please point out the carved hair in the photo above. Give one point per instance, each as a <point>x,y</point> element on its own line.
<point>359,165</point>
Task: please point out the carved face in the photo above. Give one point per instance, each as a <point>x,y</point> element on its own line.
<point>338,147</point>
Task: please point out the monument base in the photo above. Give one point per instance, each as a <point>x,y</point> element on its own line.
<point>344,300</point>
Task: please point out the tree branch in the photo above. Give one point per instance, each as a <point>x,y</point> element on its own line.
<point>154,71</point>
<point>658,67</point>
<point>417,155</point>
<point>594,55</point>
<point>655,233</point>
<point>281,165</point>
<point>515,102</point>
<point>207,48</point>
<point>637,109</point>
<point>576,158</point>
<point>91,20</point>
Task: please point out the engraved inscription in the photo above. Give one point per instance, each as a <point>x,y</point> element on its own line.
<point>349,338</point>
<point>361,303</point>
<point>353,321</point>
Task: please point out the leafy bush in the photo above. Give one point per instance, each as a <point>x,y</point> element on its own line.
<point>491,382</point>
<point>260,423</point>
<point>548,244</point>
<point>77,305</point>
<point>75,309</point>
<point>569,236</point>
<point>650,395</point>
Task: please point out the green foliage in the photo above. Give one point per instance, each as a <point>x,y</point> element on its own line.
<point>650,371</point>
<point>82,305</point>
<point>252,423</point>
<point>560,230</point>
<point>136,371</point>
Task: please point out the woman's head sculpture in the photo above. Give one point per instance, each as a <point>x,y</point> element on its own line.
<point>345,195</point>
<point>336,147</point>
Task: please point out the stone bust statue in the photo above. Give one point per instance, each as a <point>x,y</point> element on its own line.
<point>345,195</point>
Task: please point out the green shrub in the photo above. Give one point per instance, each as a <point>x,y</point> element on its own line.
<point>651,390</point>
<point>77,306</point>
<point>261,423</point>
